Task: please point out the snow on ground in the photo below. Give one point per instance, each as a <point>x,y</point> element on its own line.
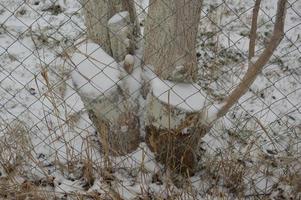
<point>118,17</point>
<point>260,137</point>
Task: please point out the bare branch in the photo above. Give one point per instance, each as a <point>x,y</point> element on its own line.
<point>256,68</point>
<point>253,31</point>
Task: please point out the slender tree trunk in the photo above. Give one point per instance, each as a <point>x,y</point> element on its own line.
<point>129,5</point>
<point>116,6</point>
<point>253,34</point>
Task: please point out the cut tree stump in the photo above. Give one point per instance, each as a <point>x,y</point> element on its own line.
<point>173,129</point>
<point>178,116</point>
<point>97,80</point>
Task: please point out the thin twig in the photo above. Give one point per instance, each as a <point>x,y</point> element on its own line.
<point>253,31</point>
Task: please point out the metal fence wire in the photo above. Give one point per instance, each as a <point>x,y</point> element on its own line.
<point>75,116</point>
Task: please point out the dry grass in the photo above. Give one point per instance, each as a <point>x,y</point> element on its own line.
<point>226,176</point>
<point>26,190</point>
<point>227,172</point>
<point>15,146</point>
<point>15,155</point>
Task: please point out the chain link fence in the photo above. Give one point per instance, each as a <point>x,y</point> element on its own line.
<point>51,140</point>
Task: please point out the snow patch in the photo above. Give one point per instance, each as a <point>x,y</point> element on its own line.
<point>118,17</point>
<point>133,81</point>
<point>96,73</point>
<point>188,97</point>
<point>129,60</point>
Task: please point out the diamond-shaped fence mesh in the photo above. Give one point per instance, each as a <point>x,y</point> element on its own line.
<point>109,100</point>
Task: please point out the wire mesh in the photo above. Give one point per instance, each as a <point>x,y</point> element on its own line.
<point>53,130</point>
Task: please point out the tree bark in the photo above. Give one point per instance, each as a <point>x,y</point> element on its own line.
<point>121,35</point>
<point>116,6</point>
<point>129,5</point>
<point>170,38</point>
<point>174,135</point>
<point>113,25</point>
<point>96,20</point>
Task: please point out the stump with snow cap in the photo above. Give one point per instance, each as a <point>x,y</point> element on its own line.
<point>97,79</point>
<point>178,116</point>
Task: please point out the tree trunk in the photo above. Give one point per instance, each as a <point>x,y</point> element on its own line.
<point>126,5</point>
<point>170,47</point>
<point>96,20</point>
<point>170,38</point>
<point>174,135</point>
<point>98,14</point>
<point>129,5</point>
